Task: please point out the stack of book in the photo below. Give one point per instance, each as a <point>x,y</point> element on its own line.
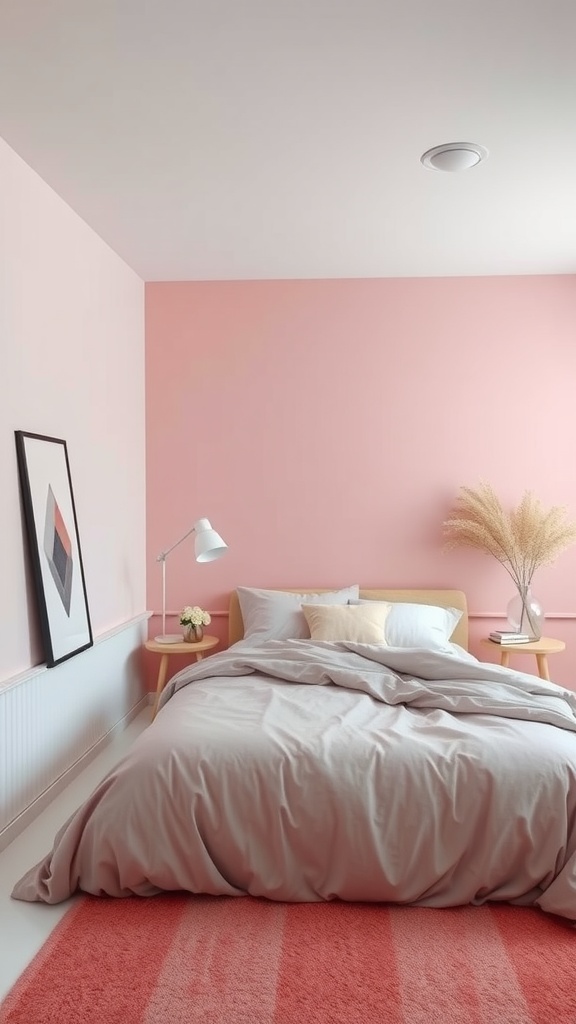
<point>502,637</point>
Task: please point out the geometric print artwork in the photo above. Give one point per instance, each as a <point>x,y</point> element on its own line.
<point>53,543</point>
<point>58,550</point>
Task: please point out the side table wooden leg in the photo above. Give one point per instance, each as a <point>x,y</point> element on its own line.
<point>504,658</point>
<point>199,656</point>
<point>543,666</point>
<point>161,680</point>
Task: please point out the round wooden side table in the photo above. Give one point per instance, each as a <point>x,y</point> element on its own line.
<point>540,648</point>
<point>166,650</point>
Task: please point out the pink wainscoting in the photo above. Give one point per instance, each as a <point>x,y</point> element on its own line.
<point>325,427</point>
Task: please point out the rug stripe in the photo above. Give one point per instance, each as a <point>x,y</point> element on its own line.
<point>499,991</point>
<point>436,978</point>
<point>334,971</point>
<point>127,939</point>
<point>222,964</point>
<point>543,953</point>
<point>459,955</point>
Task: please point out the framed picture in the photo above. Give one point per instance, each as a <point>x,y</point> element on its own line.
<point>54,545</point>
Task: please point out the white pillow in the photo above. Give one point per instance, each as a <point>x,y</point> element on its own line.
<point>274,615</point>
<point>418,625</point>
<point>361,624</point>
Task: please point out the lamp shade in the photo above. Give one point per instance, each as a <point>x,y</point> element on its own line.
<point>208,545</point>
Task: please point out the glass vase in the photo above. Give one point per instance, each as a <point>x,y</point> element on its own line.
<point>525,615</point>
<point>193,634</point>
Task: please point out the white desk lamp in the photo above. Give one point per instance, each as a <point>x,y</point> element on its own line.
<point>208,545</point>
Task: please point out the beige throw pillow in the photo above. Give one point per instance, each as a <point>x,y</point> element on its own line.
<point>359,623</point>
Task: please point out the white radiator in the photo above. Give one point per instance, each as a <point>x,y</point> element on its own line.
<point>53,721</point>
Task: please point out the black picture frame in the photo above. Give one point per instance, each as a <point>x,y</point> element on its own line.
<point>54,545</point>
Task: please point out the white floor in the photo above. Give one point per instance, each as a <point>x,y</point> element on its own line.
<point>24,927</point>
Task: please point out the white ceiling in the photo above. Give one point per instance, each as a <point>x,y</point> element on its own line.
<point>217,139</point>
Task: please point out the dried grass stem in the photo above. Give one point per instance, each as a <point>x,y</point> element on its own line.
<point>521,539</point>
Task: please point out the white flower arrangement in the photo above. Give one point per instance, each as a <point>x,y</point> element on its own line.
<point>194,616</point>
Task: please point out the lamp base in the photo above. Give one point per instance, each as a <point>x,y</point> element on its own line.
<point>169,638</point>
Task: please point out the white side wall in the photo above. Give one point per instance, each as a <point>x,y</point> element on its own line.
<point>71,366</point>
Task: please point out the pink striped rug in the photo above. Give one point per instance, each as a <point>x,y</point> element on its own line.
<point>180,959</point>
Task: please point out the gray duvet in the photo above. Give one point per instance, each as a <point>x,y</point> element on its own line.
<point>305,771</point>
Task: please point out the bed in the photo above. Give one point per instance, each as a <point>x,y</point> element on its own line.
<point>345,746</point>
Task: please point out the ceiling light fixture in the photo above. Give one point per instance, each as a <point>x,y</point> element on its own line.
<point>454,156</point>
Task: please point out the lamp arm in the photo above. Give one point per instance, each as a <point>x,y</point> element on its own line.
<point>163,597</point>
<point>162,556</point>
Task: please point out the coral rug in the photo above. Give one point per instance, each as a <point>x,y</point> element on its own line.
<point>179,959</point>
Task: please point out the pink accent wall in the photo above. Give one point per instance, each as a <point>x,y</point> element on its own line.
<point>325,428</point>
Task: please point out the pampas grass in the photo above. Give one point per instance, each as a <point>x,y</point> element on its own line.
<point>521,539</point>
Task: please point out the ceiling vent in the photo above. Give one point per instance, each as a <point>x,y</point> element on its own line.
<point>454,156</point>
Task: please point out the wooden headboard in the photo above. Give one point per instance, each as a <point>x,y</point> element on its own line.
<point>442,598</point>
